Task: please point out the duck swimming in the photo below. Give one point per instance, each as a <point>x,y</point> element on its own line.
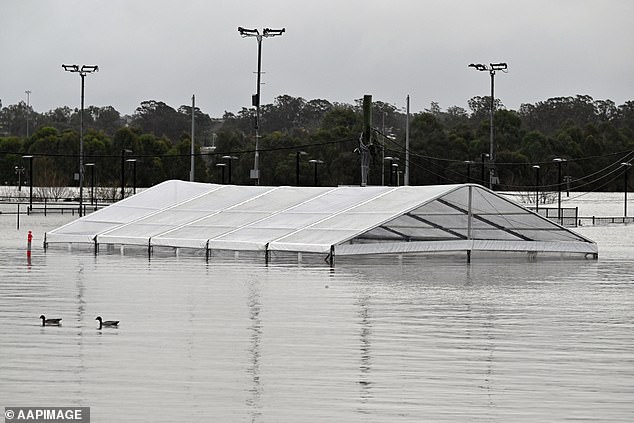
<point>50,322</point>
<point>107,323</point>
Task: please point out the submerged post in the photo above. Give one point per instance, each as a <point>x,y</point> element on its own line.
<point>331,257</point>
<point>266,254</point>
<point>469,223</point>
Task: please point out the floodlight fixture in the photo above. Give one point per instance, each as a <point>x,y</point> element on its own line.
<point>268,32</point>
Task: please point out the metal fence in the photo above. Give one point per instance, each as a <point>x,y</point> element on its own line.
<point>567,217</point>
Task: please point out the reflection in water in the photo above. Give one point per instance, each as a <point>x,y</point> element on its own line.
<point>364,337</point>
<point>81,308</point>
<point>256,338</point>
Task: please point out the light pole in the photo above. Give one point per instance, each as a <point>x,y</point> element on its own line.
<point>82,71</point>
<point>394,171</point>
<point>222,166</point>
<point>255,100</point>
<point>559,161</point>
<point>315,162</point>
<point>627,166</point>
<point>133,161</point>
<point>28,111</point>
<point>229,159</point>
<point>468,163</point>
<point>92,182</point>
<point>391,160</point>
<point>30,181</point>
<point>491,68</point>
<point>19,170</point>
<point>299,153</point>
<point>536,167</point>
<point>482,157</point>
<point>123,151</point>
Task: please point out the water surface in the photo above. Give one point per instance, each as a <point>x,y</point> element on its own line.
<point>375,340</point>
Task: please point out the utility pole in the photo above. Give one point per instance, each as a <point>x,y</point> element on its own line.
<point>366,139</point>
<point>255,99</point>
<point>406,177</point>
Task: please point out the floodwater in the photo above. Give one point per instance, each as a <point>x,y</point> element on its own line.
<point>383,340</point>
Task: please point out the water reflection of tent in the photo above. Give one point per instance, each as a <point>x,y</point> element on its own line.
<point>338,221</point>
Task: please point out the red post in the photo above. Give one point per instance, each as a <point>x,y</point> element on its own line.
<point>29,238</point>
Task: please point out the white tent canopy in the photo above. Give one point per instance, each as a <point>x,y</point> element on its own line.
<point>343,220</point>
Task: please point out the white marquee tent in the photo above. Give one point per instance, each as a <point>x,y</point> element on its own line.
<point>338,221</point>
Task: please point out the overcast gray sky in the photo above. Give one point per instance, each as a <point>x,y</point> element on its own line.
<point>336,50</point>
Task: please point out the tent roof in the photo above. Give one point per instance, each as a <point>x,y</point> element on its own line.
<point>351,219</point>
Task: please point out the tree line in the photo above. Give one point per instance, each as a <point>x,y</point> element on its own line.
<point>446,146</point>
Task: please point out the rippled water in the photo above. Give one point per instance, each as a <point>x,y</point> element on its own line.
<point>417,339</point>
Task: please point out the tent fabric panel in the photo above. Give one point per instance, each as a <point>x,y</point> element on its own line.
<point>302,248</point>
<point>291,220</point>
<point>321,236</point>
<point>254,234</point>
<point>195,232</point>
<point>406,234</point>
<point>276,200</point>
<point>550,235</point>
<point>140,230</point>
<point>132,208</point>
<point>124,240</point>
<point>335,200</point>
<point>352,221</point>
<point>195,243</point>
<point>465,245</point>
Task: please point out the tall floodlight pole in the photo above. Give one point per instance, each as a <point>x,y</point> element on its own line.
<point>255,100</point>
<point>28,111</point>
<point>491,68</point>
<point>82,71</point>
<point>627,166</point>
<point>536,167</point>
